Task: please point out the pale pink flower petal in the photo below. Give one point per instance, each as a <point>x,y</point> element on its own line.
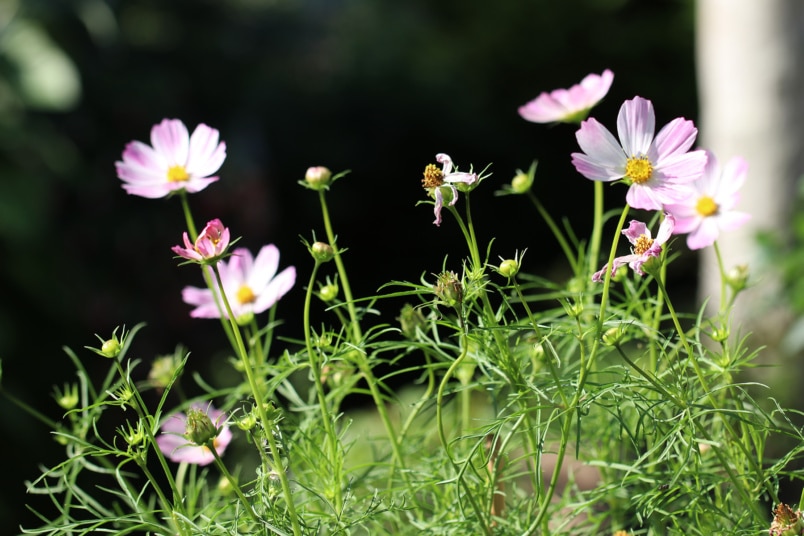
<point>445,178</point>
<point>709,207</point>
<point>657,169</point>
<point>175,160</point>
<point>568,105</point>
<point>251,285</point>
<point>644,246</point>
<point>210,244</point>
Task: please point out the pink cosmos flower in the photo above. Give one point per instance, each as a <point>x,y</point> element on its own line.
<point>210,244</point>
<point>174,161</point>
<point>658,169</point>
<point>251,285</point>
<point>435,180</point>
<point>175,441</point>
<point>568,105</point>
<point>644,247</point>
<point>710,207</point>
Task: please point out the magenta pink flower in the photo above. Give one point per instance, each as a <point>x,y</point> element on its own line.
<point>176,440</point>
<point>210,244</point>
<point>568,105</point>
<point>436,180</point>
<point>644,247</point>
<point>658,169</point>
<point>709,208</point>
<point>251,285</point>
<point>174,161</point>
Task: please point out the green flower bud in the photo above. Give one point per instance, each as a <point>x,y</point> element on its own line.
<point>410,319</point>
<point>737,277</point>
<point>328,292</point>
<point>322,252</point>
<point>163,370</point>
<point>509,268</point>
<point>199,430</point>
<point>247,422</point>
<point>318,177</point>
<point>612,336</point>
<point>720,334</point>
<point>67,399</point>
<point>110,348</point>
<point>521,183</point>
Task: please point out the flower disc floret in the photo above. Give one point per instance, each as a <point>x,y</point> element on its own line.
<point>174,161</point>
<point>659,169</point>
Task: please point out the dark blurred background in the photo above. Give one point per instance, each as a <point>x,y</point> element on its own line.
<point>375,86</point>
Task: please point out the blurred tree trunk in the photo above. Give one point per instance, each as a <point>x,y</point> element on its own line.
<point>750,59</point>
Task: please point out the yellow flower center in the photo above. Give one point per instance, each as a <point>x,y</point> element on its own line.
<point>706,206</point>
<point>642,245</point>
<point>433,177</point>
<point>177,174</point>
<point>245,295</point>
<point>638,169</point>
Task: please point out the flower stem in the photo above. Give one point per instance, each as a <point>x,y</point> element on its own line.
<point>256,391</point>
<point>233,482</point>
<point>315,369</point>
<point>357,333</point>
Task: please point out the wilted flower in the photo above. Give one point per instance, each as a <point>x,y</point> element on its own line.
<point>174,161</point>
<point>658,169</point>
<point>709,208</point>
<point>568,105</point>
<point>185,437</point>
<point>644,247</point>
<point>786,522</point>
<point>210,245</point>
<point>251,285</point>
<point>436,180</point>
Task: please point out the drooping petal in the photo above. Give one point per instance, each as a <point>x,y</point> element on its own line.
<point>665,229</point>
<point>636,124</point>
<point>446,163</point>
<point>439,203</point>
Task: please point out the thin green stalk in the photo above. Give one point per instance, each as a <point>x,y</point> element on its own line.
<point>267,425</point>
<point>562,242</point>
<point>235,486</point>
<point>357,332</point>
<point>443,436</point>
<point>188,217</point>
<point>597,228</point>
<point>140,408</point>
<point>315,368</point>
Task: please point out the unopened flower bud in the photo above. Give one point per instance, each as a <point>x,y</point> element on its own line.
<point>163,370</point>
<point>720,334</point>
<point>200,430</point>
<point>110,348</point>
<point>328,292</point>
<point>521,183</point>
<point>613,336</point>
<point>322,252</point>
<point>737,277</point>
<point>68,398</point>
<point>410,319</point>
<point>509,268</point>
<point>318,177</point>
<point>247,422</point>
